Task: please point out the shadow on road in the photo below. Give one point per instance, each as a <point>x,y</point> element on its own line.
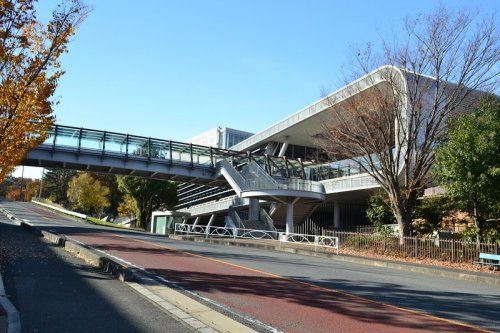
<point>57,293</point>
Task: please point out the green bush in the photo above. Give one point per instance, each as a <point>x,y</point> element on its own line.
<point>379,212</point>
<point>431,210</point>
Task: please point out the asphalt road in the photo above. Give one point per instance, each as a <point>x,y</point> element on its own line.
<point>55,292</point>
<point>251,281</point>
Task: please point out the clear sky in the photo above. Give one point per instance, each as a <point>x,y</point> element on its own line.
<point>173,69</point>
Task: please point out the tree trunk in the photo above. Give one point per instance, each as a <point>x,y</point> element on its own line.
<point>403,214</point>
<point>478,221</point>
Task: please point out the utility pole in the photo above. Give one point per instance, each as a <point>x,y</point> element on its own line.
<point>21,195</point>
<point>41,185</point>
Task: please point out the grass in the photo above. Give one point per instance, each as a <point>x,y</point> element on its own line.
<point>97,221</point>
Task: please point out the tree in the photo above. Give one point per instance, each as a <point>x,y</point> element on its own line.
<point>31,189</point>
<point>55,185</point>
<point>390,130</point>
<point>468,163</point>
<point>115,196</point>
<point>149,195</point>
<point>87,194</point>
<point>432,210</point>
<point>379,211</point>
<point>128,207</point>
<point>29,73</point>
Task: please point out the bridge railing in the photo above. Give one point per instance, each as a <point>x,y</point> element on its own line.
<point>272,235</point>
<point>105,143</point>
<point>132,146</point>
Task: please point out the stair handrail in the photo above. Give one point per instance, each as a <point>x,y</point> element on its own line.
<point>264,217</point>
<point>233,173</point>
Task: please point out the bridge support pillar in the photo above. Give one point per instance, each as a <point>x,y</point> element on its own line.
<point>209,224</point>
<point>284,146</point>
<point>196,220</point>
<point>253,209</point>
<point>336,214</point>
<point>289,218</point>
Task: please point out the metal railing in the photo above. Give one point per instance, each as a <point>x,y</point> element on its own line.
<point>104,143</point>
<point>449,250</point>
<point>349,183</point>
<point>253,178</point>
<point>316,241</point>
<point>215,206</point>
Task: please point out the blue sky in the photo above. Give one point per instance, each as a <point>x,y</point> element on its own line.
<point>173,69</point>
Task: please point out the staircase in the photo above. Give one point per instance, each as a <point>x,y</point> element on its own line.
<point>249,176</point>
<point>249,179</point>
<point>255,224</point>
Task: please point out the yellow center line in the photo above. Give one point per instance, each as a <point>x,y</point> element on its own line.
<point>417,312</point>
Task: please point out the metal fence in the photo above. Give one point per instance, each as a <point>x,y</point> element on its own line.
<point>414,247</point>
<point>272,235</point>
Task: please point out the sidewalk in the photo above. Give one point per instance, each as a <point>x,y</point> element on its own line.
<point>309,250</point>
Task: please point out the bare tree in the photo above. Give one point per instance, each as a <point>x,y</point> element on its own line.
<point>390,120</point>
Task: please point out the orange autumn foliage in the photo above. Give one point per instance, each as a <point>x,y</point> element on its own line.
<point>29,73</point>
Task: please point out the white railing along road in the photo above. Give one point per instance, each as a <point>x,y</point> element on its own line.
<point>279,236</point>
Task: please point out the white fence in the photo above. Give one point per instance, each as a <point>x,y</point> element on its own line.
<point>278,236</point>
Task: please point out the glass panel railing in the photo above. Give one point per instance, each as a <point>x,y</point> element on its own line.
<point>115,143</point>
<point>159,149</point>
<point>90,139</point>
<point>137,146</point>
<point>102,142</point>
<point>67,137</point>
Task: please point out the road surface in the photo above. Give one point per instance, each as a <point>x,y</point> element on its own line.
<point>290,292</point>
<point>55,292</point>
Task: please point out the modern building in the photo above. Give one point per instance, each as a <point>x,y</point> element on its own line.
<point>276,178</point>
<point>220,137</point>
<point>291,142</point>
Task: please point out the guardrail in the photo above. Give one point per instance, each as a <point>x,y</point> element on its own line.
<point>256,234</point>
<point>62,210</point>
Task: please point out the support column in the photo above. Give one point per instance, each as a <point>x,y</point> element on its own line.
<point>209,224</point>
<point>336,214</point>
<point>153,222</point>
<point>289,218</point>
<point>283,149</point>
<point>253,209</point>
<point>212,217</point>
<point>196,220</point>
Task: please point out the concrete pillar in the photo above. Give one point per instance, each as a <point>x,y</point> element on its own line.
<point>253,209</point>
<point>289,218</point>
<point>283,149</point>
<point>196,220</point>
<point>209,224</point>
<point>153,222</point>
<point>336,214</point>
<point>212,217</point>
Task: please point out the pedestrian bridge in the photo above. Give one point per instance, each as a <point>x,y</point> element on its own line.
<point>109,152</point>
<point>116,153</point>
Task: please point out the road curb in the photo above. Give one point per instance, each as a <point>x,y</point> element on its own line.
<point>9,215</point>
<point>86,253</point>
<point>132,276</point>
<point>180,306</point>
<point>10,323</point>
<point>452,274</point>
